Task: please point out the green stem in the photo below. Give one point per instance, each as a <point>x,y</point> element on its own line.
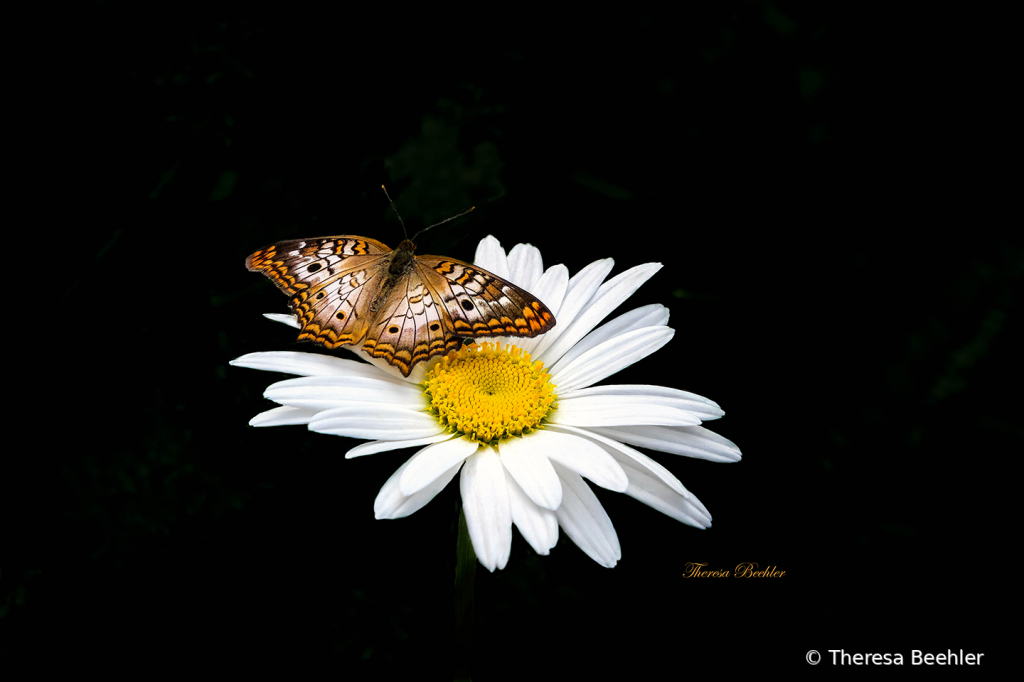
<point>465,571</point>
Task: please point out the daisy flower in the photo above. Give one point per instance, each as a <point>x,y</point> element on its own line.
<point>522,419</point>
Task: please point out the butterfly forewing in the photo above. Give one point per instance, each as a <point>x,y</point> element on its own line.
<point>481,303</point>
<point>342,292</point>
<point>299,264</point>
<point>331,281</point>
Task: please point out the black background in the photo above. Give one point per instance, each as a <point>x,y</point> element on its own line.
<point>821,185</point>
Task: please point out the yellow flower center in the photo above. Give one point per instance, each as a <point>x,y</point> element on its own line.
<point>488,393</point>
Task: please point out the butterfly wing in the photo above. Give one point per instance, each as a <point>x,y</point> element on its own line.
<point>442,301</point>
<point>413,326</point>
<point>331,281</point>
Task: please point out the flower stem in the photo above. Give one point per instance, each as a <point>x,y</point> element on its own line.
<point>465,571</point>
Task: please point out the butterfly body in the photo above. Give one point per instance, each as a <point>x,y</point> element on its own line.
<point>405,308</point>
<point>402,260</point>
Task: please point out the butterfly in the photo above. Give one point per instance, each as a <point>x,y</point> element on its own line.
<point>404,308</point>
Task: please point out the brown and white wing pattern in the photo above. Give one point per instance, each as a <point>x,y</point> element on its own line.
<point>408,309</point>
<point>331,281</point>
<point>440,301</point>
<point>412,326</point>
<point>480,303</point>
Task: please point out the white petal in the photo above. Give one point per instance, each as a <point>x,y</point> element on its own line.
<point>328,392</point>
<point>283,318</point>
<point>585,521</point>
<point>611,294</point>
<point>656,494</point>
<point>392,504</point>
<point>486,505</point>
<point>646,316</point>
<point>490,256</point>
<point>525,265</point>
<point>306,364</point>
<point>690,441</point>
<point>581,288</point>
<point>583,456</point>
<point>631,404</point>
<point>375,422</point>
<point>551,287</point>
<point>629,458</point>
<point>646,393</point>
<point>608,358</point>
<point>532,471</point>
<point>537,525</point>
<point>432,461</point>
<point>610,410</point>
<point>376,446</point>
<point>282,416</point>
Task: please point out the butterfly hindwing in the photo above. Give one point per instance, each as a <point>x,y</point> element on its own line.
<point>412,327</point>
<point>335,312</point>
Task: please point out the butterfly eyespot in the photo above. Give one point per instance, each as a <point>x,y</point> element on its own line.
<point>392,329</point>
<point>466,304</point>
<point>320,295</point>
<point>434,327</point>
<point>340,315</point>
<point>313,267</point>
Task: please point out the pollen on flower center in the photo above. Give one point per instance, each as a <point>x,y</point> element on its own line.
<point>489,393</point>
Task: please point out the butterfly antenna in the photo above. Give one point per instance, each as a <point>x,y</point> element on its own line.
<point>395,210</point>
<point>457,215</point>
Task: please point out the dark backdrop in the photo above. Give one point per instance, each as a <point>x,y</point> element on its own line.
<point>820,184</point>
